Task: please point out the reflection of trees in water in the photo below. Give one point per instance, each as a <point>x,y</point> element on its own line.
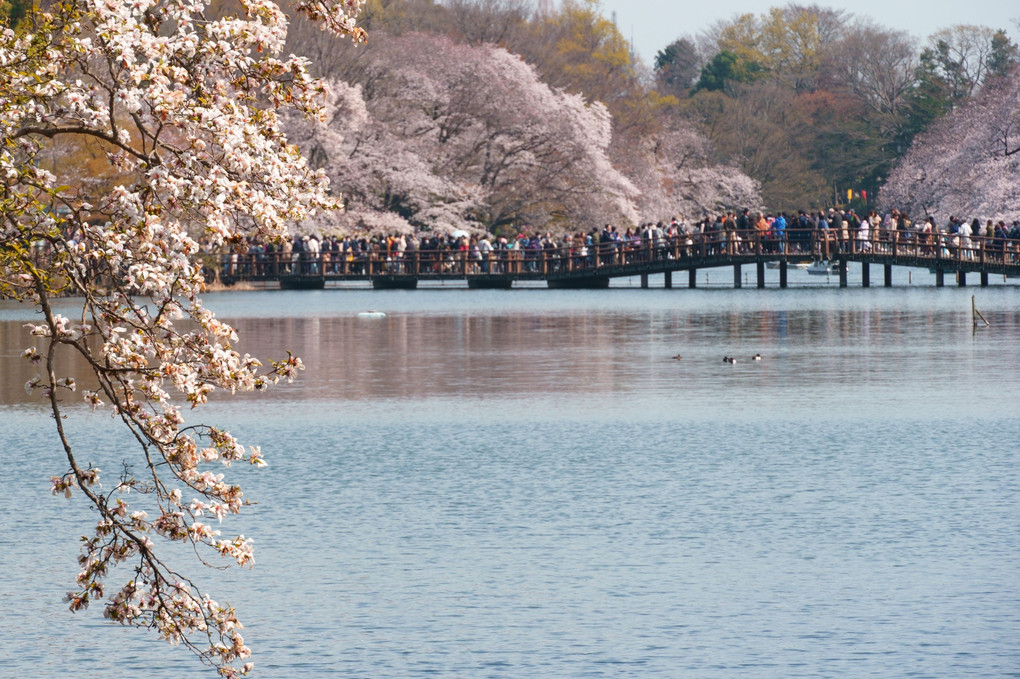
<point>409,356</point>
<point>522,353</point>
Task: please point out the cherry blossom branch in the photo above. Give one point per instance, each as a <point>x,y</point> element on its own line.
<point>188,121</point>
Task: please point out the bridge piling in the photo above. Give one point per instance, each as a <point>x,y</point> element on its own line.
<point>961,279</point>
<point>887,275</point>
<point>668,284</point>
<point>865,275</point>
<point>759,270</point>
<point>692,278</point>
<point>737,283</point>
<point>782,273</point>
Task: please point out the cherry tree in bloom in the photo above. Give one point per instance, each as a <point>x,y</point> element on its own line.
<point>677,175</point>
<point>385,179</point>
<point>968,163</point>
<point>184,108</point>
<point>463,136</point>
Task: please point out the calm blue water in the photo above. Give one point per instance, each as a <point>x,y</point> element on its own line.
<point>525,484</point>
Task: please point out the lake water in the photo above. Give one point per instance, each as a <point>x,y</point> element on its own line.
<point>525,484</point>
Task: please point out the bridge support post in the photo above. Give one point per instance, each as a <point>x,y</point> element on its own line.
<point>668,276</point>
<point>736,276</point>
<point>940,277</point>
<point>865,275</point>
<point>644,281</point>
<point>842,273</point>
<point>782,273</point>
<point>984,279</point>
<point>961,278</point>
<point>692,278</point>
<point>759,270</point>
<point>887,275</point>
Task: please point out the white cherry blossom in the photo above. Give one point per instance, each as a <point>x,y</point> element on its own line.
<point>185,109</point>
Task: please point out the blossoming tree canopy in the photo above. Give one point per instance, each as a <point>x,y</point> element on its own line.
<point>968,163</point>
<point>176,105</point>
<point>463,136</point>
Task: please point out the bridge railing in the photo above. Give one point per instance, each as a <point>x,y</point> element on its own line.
<point>563,258</point>
<point>576,257</point>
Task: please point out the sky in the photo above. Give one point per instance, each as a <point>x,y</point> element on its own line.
<point>653,24</point>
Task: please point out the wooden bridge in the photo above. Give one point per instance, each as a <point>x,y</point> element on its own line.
<point>594,266</point>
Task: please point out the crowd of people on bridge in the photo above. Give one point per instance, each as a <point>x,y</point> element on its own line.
<point>820,233</point>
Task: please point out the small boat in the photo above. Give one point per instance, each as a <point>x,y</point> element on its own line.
<point>790,264</point>
<point>371,314</point>
<point>822,268</point>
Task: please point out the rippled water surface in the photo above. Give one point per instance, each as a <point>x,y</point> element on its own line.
<point>526,484</point>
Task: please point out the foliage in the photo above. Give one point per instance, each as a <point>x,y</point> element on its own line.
<point>677,66</point>
<point>182,108</point>
<point>677,176</point>
<point>725,69</point>
<point>844,95</point>
<point>786,45</point>
<point>770,134</point>
<point>968,163</point>
<point>579,50</point>
<point>954,65</point>
<point>458,136</point>
<point>13,12</point>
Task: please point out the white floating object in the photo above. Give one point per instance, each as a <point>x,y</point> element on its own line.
<point>371,314</point>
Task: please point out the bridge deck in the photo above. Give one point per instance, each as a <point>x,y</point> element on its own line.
<point>594,266</point>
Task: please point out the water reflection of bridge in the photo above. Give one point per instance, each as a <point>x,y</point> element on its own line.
<point>594,266</point>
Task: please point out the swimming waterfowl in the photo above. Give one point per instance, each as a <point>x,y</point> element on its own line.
<point>756,357</point>
<point>677,357</point>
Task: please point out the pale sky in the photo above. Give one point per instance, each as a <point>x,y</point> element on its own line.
<point>653,24</point>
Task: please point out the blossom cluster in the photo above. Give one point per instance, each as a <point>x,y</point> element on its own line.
<point>185,109</point>
<point>967,163</point>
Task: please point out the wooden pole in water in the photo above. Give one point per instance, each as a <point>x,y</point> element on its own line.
<point>975,314</point>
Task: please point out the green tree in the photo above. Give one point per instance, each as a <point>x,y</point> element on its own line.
<point>725,69</point>
<point>965,56</point>
<point>931,98</point>
<point>954,66</point>
<point>1004,55</point>
<point>677,66</point>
